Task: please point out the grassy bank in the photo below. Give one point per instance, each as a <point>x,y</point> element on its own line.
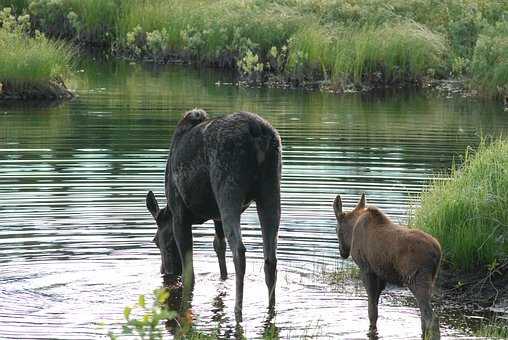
<point>467,212</point>
<point>31,67</point>
<point>346,43</point>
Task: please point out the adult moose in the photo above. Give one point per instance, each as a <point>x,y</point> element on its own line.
<point>215,169</point>
<point>386,252</point>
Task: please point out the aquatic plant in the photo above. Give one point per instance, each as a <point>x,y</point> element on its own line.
<point>148,323</point>
<point>144,321</point>
<point>467,211</point>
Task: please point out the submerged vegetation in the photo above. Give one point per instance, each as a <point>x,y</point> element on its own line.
<point>346,44</point>
<point>31,66</point>
<point>467,212</point>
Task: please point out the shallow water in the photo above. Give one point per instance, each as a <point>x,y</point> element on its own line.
<point>76,236</point>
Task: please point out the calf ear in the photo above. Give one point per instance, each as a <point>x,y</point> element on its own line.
<point>361,204</point>
<point>151,204</point>
<point>337,206</point>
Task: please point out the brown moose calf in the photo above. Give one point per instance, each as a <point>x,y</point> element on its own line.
<point>386,252</point>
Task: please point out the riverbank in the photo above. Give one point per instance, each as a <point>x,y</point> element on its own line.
<point>466,212</point>
<point>355,44</point>
<point>32,66</point>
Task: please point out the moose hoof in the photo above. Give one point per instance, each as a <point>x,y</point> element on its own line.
<point>372,332</point>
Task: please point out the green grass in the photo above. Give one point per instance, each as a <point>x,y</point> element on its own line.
<point>490,61</point>
<point>467,213</point>
<point>399,52</point>
<point>340,41</point>
<point>32,60</point>
<point>29,62</point>
<point>495,330</point>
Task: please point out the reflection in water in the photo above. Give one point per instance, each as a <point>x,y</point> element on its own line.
<point>76,236</point>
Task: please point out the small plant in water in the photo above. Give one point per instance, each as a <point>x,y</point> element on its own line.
<point>144,321</point>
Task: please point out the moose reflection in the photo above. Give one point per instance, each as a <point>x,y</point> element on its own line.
<point>215,169</point>
<point>386,252</point>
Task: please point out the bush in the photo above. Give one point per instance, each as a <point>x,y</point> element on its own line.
<point>94,22</point>
<point>467,212</point>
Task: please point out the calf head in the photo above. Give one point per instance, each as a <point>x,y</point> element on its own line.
<point>164,239</point>
<point>345,223</point>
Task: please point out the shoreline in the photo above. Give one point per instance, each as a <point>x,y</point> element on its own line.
<point>53,90</point>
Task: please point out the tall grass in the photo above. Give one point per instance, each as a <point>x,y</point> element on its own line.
<point>494,330</point>
<point>32,60</point>
<point>398,52</point>
<point>490,61</point>
<point>28,62</point>
<point>339,40</point>
<point>468,212</point>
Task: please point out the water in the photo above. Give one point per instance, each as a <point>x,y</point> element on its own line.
<point>76,236</point>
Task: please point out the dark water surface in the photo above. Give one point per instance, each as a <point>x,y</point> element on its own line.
<point>76,237</point>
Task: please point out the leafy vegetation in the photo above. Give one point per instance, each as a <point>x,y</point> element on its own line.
<point>31,66</point>
<point>144,321</point>
<point>467,212</point>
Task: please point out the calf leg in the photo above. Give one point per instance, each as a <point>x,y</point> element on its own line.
<point>269,218</point>
<point>422,290</point>
<point>219,244</point>
<point>374,286</point>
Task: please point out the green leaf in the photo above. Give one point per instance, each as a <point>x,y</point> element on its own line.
<point>162,295</point>
<point>127,312</point>
<point>141,301</point>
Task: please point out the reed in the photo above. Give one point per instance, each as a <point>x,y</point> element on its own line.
<point>467,211</point>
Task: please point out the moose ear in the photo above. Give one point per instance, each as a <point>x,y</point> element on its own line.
<point>151,204</point>
<point>361,204</point>
<point>337,206</point>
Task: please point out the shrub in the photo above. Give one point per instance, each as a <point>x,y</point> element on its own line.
<point>467,212</point>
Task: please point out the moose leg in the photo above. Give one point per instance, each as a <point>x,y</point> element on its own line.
<point>219,244</point>
<point>422,290</point>
<point>374,286</point>
<point>229,202</point>
<point>231,225</point>
<point>182,230</point>
<point>269,218</point>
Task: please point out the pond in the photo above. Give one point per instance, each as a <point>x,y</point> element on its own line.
<point>76,236</point>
